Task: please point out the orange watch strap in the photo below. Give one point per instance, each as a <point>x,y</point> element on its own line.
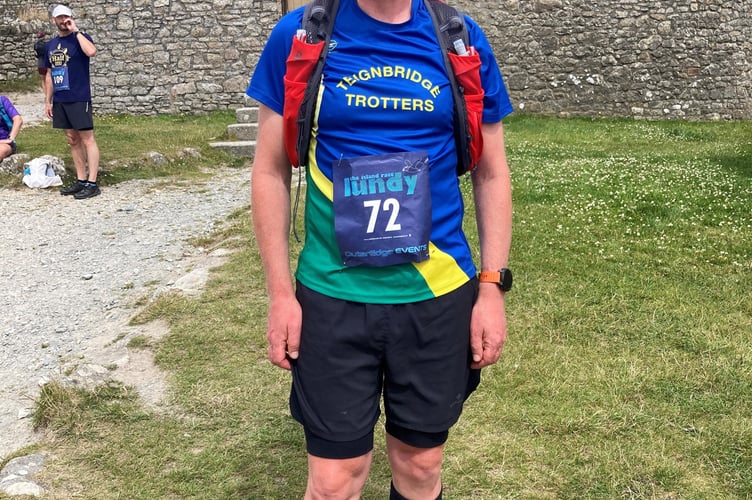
<point>489,277</point>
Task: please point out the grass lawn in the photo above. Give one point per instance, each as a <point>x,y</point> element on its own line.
<point>627,372</point>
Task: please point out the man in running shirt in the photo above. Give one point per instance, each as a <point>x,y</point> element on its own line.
<point>385,301</point>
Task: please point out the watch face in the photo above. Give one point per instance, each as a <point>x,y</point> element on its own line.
<point>506,280</point>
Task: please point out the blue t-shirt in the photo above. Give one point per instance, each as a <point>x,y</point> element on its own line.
<point>69,69</point>
<point>385,90</point>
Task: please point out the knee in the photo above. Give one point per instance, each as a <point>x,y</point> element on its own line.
<point>87,141</point>
<point>73,140</point>
<point>413,464</point>
<point>423,466</point>
<point>328,488</point>
<point>342,479</point>
<point>333,488</point>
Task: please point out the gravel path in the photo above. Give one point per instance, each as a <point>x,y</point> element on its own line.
<point>31,107</point>
<point>71,272</point>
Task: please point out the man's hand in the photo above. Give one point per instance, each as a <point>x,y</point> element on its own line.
<point>488,326</point>
<point>283,331</point>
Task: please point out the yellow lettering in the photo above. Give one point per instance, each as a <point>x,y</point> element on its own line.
<point>393,103</point>
<point>403,72</point>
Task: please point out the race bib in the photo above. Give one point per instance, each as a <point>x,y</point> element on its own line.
<point>60,78</point>
<point>382,209</point>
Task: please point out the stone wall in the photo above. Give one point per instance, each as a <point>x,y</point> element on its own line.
<point>641,58</point>
<point>161,56</point>
<point>637,58</point>
<point>19,23</point>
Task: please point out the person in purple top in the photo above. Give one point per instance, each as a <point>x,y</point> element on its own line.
<point>10,125</point>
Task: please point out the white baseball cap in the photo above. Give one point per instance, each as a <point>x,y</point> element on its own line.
<point>62,10</point>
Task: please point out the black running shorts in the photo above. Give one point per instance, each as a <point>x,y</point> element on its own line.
<point>72,115</point>
<point>417,355</point>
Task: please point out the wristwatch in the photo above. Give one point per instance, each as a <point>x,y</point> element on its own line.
<point>502,277</point>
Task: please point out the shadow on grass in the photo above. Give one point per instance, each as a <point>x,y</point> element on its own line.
<point>740,163</point>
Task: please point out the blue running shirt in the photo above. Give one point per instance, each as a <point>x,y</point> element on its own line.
<point>69,69</point>
<point>385,90</point>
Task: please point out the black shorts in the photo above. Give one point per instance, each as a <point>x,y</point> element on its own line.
<point>417,354</point>
<point>72,115</point>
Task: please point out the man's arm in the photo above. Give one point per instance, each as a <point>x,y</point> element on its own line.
<point>270,204</point>
<point>48,92</point>
<point>492,188</point>
<point>87,46</point>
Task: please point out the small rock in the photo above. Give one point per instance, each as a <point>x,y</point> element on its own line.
<point>156,158</point>
<point>14,478</point>
<point>22,488</point>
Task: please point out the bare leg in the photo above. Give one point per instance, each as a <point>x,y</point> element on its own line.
<point>92,153</point>
<point>416,472</point>
<point>84,150</point>
<point>341,479</point>
<point>77,152</point>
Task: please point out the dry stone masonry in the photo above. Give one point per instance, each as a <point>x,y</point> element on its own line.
<point>655,59</point>
<point>638,58</point>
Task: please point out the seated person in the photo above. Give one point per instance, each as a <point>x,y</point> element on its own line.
<point>10,125</point>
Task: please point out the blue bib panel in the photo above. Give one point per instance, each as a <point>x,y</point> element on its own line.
<point>382,209</point>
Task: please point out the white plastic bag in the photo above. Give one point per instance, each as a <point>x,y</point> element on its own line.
<point>38,173</point>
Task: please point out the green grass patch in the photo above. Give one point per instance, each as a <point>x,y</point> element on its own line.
<point>627,372</point>
<point>125,143</point>
<point>32,84</point>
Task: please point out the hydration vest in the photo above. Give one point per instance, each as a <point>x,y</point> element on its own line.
<point>305,66</point>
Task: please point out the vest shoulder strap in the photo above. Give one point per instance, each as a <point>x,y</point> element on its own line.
<point>451,31</point>
<point>318,19</point>
<point>450,25</point>
<point>318,22</point>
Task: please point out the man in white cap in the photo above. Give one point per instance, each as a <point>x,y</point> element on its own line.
<point>68,99</point>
